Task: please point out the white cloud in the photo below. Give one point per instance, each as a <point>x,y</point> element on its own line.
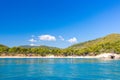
<point>73,40</point>
<point>47,38</point>
<point>32,40</point>
<point>61,38</point>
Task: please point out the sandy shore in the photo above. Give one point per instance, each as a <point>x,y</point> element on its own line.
<point>48,57</point>
<point>104,56</point>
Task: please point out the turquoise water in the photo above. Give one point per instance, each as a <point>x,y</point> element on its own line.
<point>59,69</point>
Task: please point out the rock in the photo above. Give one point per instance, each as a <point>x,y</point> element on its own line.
<point>108,56</point>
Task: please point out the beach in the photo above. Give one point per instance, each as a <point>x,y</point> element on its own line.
<point>103,56</point>
<point>48,57</point>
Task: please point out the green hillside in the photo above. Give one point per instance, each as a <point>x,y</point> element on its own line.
<point>110,43</point>
<point>3,48</point>
<point>42,46</point>
<point>2,45</point>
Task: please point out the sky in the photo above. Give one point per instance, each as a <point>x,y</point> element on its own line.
<point>58,23</point>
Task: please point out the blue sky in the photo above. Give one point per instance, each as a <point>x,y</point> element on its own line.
<point>59,23</point>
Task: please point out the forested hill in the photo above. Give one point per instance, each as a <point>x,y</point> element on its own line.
<point>3,46</point>
<point>109,43</point>
<point>112,38</point>
<point>42,46</point>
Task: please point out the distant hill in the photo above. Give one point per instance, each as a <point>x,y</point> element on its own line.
<point>42,46</point>
<point>109,43</point>
<point>1,45</point>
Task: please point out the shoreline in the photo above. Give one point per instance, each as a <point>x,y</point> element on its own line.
<point>48,57</point>
<point>102,56</point>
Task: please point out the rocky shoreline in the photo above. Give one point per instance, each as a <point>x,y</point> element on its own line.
<point>108,56</point>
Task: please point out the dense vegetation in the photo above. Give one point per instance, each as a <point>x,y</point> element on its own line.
<point>108,44</point>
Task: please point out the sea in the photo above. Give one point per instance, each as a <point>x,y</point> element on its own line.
<point>59,69</point>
